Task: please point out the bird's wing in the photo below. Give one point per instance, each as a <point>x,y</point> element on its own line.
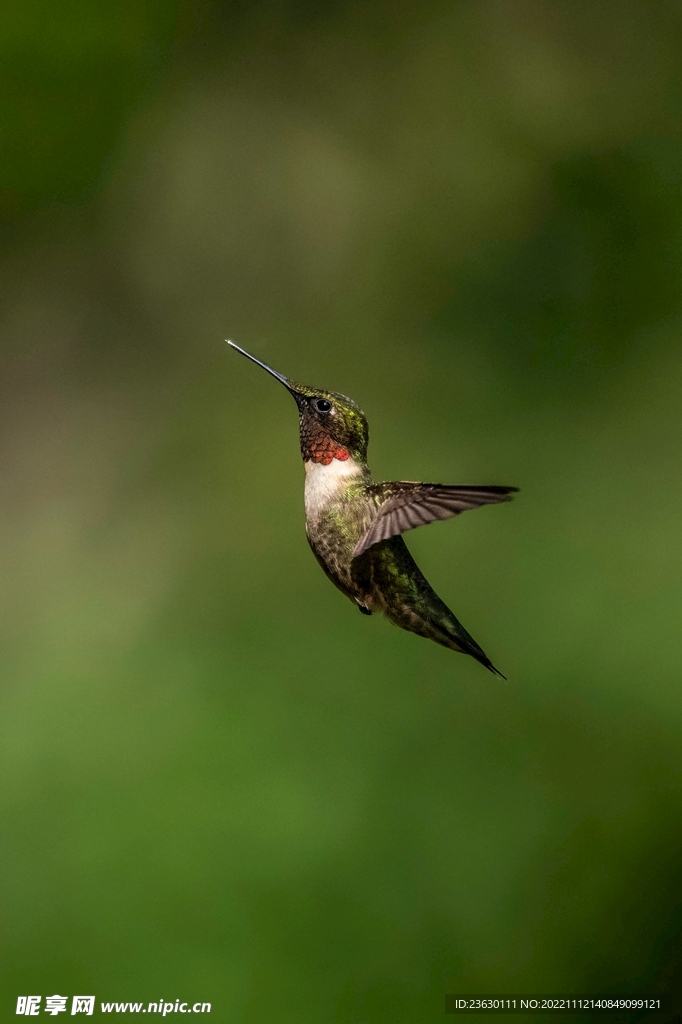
<point>404,506</point>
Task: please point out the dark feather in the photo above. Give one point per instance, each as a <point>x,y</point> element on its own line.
<point>405,506</point>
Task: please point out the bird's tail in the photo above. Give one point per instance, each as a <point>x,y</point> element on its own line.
<point>437,622</point>
<point>409,600</point>
<point>457,638</point>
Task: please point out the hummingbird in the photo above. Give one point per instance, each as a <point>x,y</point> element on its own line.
<point>355,526</point>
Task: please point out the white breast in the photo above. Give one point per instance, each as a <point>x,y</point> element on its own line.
<point>325,483</point>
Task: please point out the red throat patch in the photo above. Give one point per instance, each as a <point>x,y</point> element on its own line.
<point>318,446</point>
<point>324,450</point>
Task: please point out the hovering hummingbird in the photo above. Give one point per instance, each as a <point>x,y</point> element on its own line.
<point>354,526</point>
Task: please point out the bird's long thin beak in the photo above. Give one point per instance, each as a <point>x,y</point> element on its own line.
<point>280,377</point>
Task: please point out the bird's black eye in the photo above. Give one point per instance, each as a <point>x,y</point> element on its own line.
<point>322,405</point>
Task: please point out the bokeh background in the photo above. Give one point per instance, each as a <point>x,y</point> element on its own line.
<point>219,782</point>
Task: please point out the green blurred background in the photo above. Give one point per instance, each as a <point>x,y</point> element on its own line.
<point>219,782</point>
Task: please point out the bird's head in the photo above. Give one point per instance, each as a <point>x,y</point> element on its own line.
<point>331,425</point>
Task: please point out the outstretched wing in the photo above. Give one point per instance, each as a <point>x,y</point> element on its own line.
<point>404,506</point>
